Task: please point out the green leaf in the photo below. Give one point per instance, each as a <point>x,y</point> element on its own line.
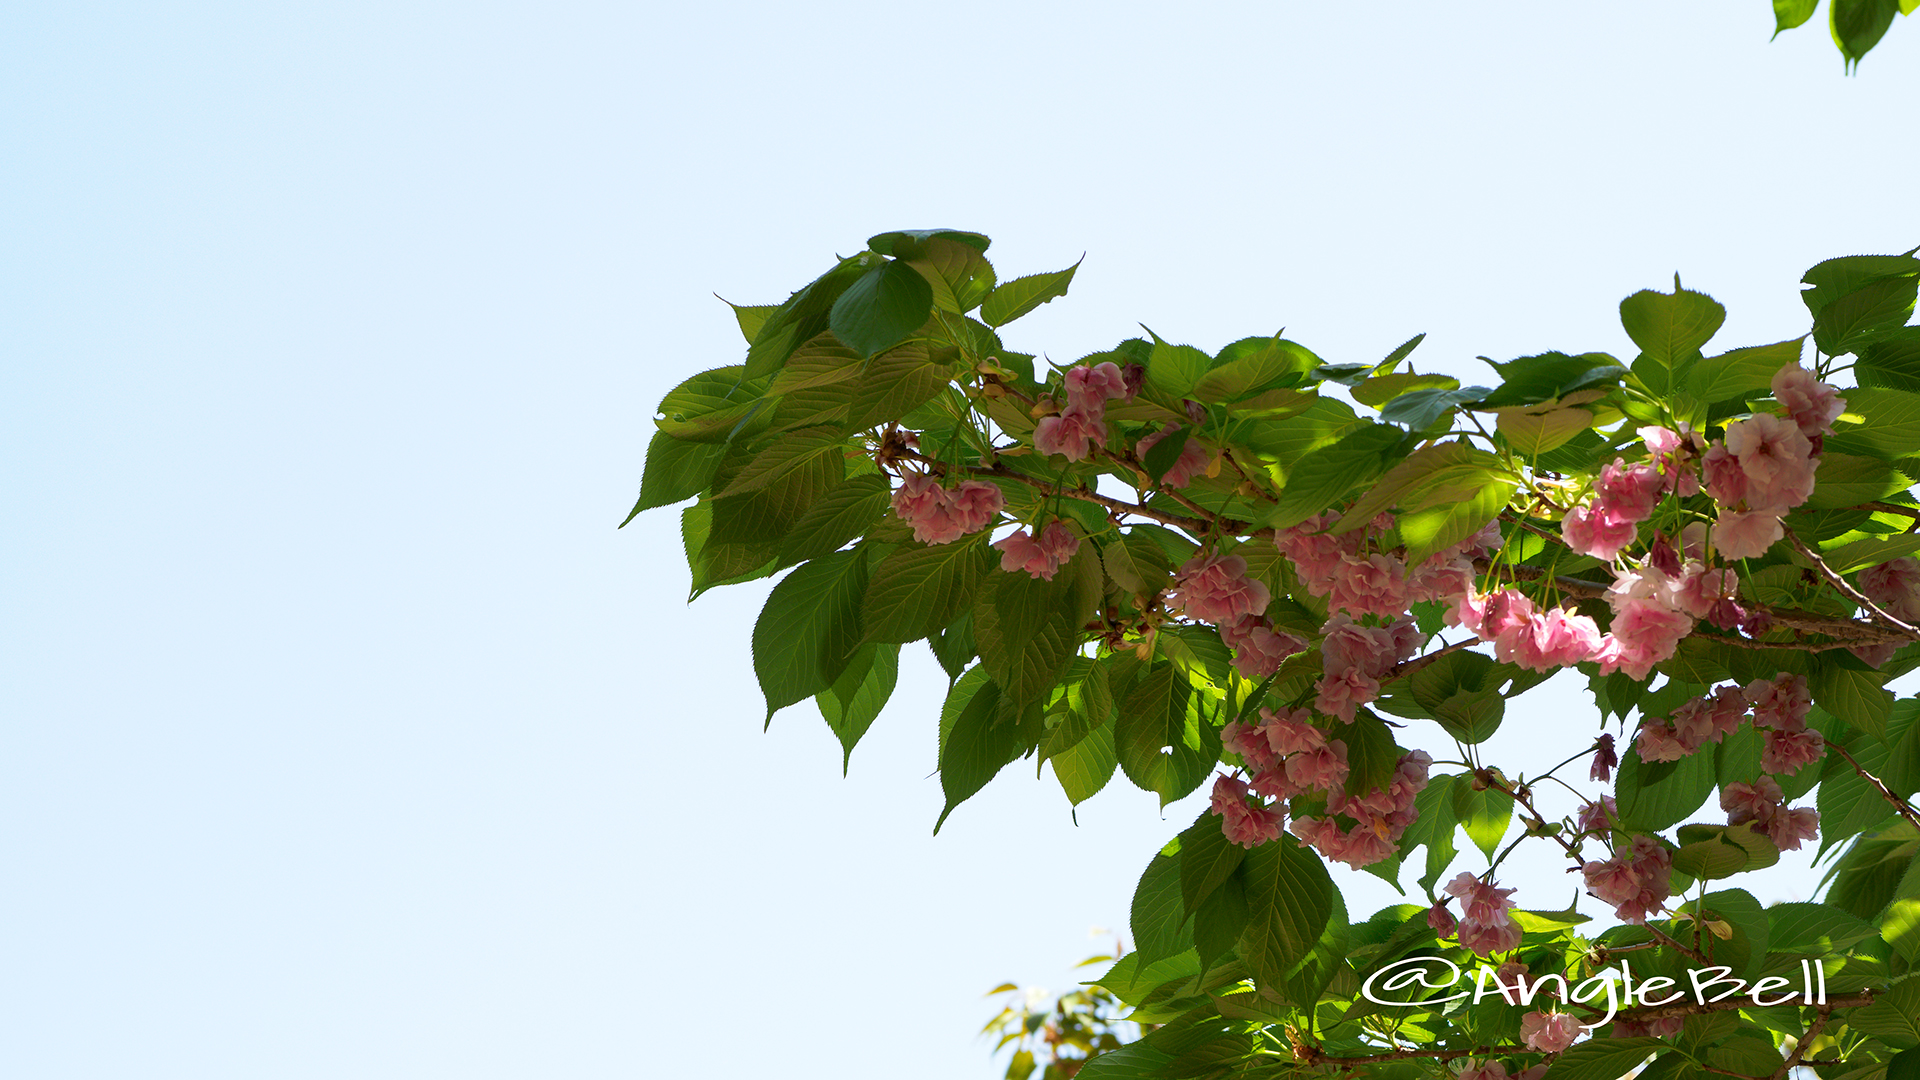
<point>977,748</point>
<point>1894,1017</point>
<point>761,519</point>
<point>1485,815</point>
<point>1858,25</point>
<point>1437,527</point>
<point>711,406</point>
<point>954,647</point>
<point>1830,280</point>
<point>1533,431</point>
<point>1027,629</point>
<point>1604,1059</point>
<point>1900,927</point>
<point>1887,424</point>
<point>1849,322</point>
<point>1421,410</point>
<point>809,628</point>
<point>1848,804</point>
<point>1742,371</point>
<point>1401,352</point>
<point>1853,696</point>
<point>913,243</point>
<point>1173,370</point>
<point>1164,454</point>
<point>1290,896</point>
<point>1207,858</point>
<point>1814,929</point>
<point>1746,1053</point>
<point>1086,766</point>
<point>1440,472</point>
<point>804,316</point>
<point>1012,299</point>
<point>1160,923</point>
<point>1550,376</point>
<point>1847,480</point>
<point>751,317</point>
<point>855,699</point>
<point>714,565</point>
<point>880,309</point>
<point>1713,856</point>
<point>1462,691</point>
<point>1322,478</point>
<point>1380,389</point>
<point>1163,744</point>
<point>1892,361</point>
<point>1371,753</point>
<point>841,515</point>
<point>1255,365</point>
<point>960,276</point>
<point>1433,828</point>
<point>793,451</point>
<point>1661,795</point>
<point>1221,918</point>
<point>1788,14</point>
<point>920,588</point>
<point>1669,328</point>
<point>1904,1065</point>
<point>675,471</point>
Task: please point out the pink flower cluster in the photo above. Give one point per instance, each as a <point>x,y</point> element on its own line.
<point>1780,707</point>
<point>1245,824</point>
<point>1193,459</point>
<point>1623,497</point>
<point>1894,587</point>
<point>1377,583</point>
<point>1380,816</point>
<point>1215,588</point>
<point>1082,424</point>
<point>1258,648</point>
<point>1042,557</point>
<point>1597,817</point>
<point>1703,720</point>
<point>941,516</point>
<point>1537,641</point>
<point>1549,1032</point>
<point>1486,925</point>
<point>1356,658</point>
<point>1637,883</point>
<point>1653,611</point>
<point>1763,803</point>
<point>1765,466</point>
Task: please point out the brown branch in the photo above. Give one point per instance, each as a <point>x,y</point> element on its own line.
<point>1900,805</point>
<point>1893,508</point>
<point>1312,1056</point>
<point>1696,1008</point>
<point>1800,1044</point>
<point>1661,937</point>
<point>1907,630</point>
<point>1408,667</point>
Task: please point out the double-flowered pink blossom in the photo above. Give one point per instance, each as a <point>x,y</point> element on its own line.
<point>1646,628</point>
<point>1442,920</point>
<point>1193,459</point>
<point>1380,816</point>
<point>1041,556</point>
<point>1598,816</point>
<point>1355,658</point>
<point>1894,587</point>
<point>1215,588</point>
<point>1257,647</point>
<point>1778,461</point>
<point>1483,1070</point>
<point>1245,825</point>
<point>1623,497</point>
<point>1780,707</point>
<point>1374,584</point>
<point>1082,424</point>
<point>1316,553</point>
<point>940,515</point>
<point>1763,804</point>
<point>1659,1028</point>
<point>1746,534</point>
<point>1549,1032</point>
<point>1672,454</point>
<point>1811,404</point>
<point>1693,724</point>
<point>1636,882</point>
<point>1554,639</point>
<point>1487,925</point>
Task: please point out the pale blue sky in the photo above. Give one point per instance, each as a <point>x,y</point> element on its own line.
<point>344,736</point>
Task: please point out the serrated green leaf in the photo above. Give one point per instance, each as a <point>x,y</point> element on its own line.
<point>920,588</point>
<point>1290,896</point>
<point>1652,798</point>
<point>1011,299</point>
<point>675,471</point>
<point>1485,815</point>
<point>855,699</point>
<point>1085,767</point>
<point>1669,328</point>
<point>879,309</point>
<point>1323,477</point>
<point>1747,371</point>
<point>809,628</point>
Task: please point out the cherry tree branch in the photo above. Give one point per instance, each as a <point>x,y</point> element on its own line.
<point>1900,805</point>
<point>1907,630</point>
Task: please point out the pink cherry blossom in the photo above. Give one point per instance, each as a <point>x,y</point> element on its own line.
<point>1552,640</point>
<point>940,516</point>
<point>1258,648</point>
<point>1597,531</point>
<point>1812,404</point>
<point>1324,768</point>
<point>1482,902</point>
<point>1750,802</point>
<point>1597,816</point>
<point>1071,433</point>
<point>1790,827</point>
<point>1251,744</point>
<point>1341,693</point>
<point>1374,585</point>
<point>1483,1070</point>
<point>1628,491</point>
<point>1895,587</point>
<point>1613,881</point>
<point>1747,535</point>
<point>1089,388</point>
<point>1040,558</point>
<point>1441,919</point>
<point>1699,589</point>
<point>918,495</point>
<point>1787,751</point>
<point>1291,732</point>
<point>1777,459</point>
<point>1215,588</point>
<point>1781,702</point>
<point>1316,554</point>
<point>1604,760</point>
<point>1485,939</point>
<point>1661,742</point>
<point>1193,459</point>
<point>1724,479</point>
<point>1549,1032</point>
<point>1245,825</point>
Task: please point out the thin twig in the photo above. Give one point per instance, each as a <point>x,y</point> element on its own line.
<point>1900,805</point>
<point>1800,1044</point>
<point>1906,629</point>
